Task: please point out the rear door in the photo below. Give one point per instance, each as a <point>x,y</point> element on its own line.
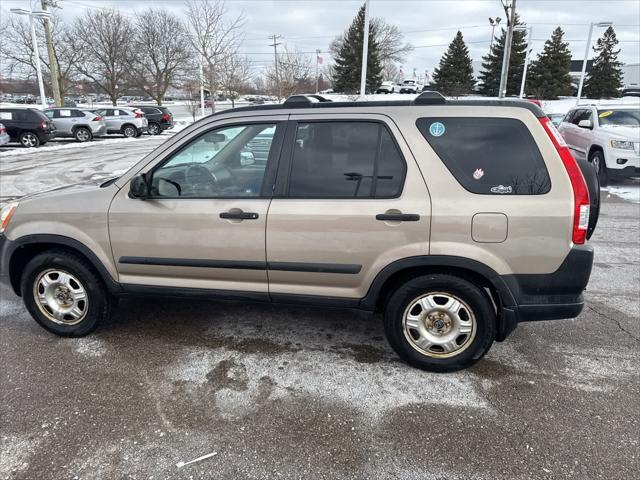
<point>349,200</point>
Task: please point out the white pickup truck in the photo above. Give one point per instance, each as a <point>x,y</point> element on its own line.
<point>608,136</point>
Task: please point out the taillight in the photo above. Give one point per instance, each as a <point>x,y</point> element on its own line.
<point>97,119</point>
<point>166,117</point>
<point>43,125</point>
<point>3,130</point>
<point>137,113</point>
<point>580,191</point>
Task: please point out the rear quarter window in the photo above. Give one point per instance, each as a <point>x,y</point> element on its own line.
<point>489,156</point>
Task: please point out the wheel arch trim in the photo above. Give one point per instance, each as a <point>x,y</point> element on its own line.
<point>55,241</point>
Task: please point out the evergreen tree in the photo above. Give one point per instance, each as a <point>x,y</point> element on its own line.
<point>549,73</point>
<point>492,64</point>
<point>454,75</point>
<point>348,62</point>
<point>605,78</point>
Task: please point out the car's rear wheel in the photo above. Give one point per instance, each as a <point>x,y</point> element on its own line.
<point>129,131</point>
<point>63,293</point>
<point>83,134</point>
<point>154,129</point>
<point>29,139</point>
<point>597,160</point>
<point>440,323</point>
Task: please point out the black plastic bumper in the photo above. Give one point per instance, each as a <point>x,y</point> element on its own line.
<point>625,172</point>
<point>556,295</point>
<point>4,261</point>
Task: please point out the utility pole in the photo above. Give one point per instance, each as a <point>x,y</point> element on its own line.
<point>365,50</point>
<point>511,20</point>
<point>317,62</point>
<point>275,58</point>
<point>53,63</point>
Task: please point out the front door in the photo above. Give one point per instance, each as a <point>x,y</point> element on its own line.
<point>349,200</point>
<point>204,223</point>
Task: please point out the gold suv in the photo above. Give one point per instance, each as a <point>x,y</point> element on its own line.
<point>458,219</point>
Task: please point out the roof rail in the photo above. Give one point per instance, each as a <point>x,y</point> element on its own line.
<point>430,97</point>
<point>304,100</point>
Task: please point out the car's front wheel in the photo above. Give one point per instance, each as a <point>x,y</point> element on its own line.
<point>29,139</point>
<point>63,293</point>
<point>440,323</point>
<point>597,160</point>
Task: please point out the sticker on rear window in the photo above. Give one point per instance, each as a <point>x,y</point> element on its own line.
<point>436,129</point>
<point>478,174</point>
<point>605,113</point>
<point>502,189</point>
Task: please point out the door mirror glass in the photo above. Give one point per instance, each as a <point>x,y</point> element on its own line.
<point>138,187</point>
<point>585,124</point>
<point>246,159</point>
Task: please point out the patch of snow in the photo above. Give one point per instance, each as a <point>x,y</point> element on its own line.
<point>15,452</point>
<point>90,347</point>
<point>630,193</point>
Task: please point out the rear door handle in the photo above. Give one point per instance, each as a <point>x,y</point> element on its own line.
<point>398,217</point>
<point>239,215</point>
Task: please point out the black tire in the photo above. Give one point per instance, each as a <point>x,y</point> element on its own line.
<point>471,350</point>
<point>99,301</point>
<point>597,160</point>
<point>82,134</point>
<point>130,131</point>
<point>29,140</point>
<point>154,128</point>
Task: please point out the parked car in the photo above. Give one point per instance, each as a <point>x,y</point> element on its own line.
<point>4,136</point>
<point>78,123</point>
<point>410,86</point>
<point>608,136</point>
<point>127,121</point>
<point>29,126</point>
<point>386,87</point>
<point>327,206</point>
<point>159,118</point>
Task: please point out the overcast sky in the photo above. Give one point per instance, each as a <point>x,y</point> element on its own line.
<point>429,25</point>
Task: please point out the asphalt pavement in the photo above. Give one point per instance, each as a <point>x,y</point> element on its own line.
<point>290,392</point>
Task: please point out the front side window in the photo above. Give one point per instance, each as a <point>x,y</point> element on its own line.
<point>227,162</point>
<point>494,156</point>
<point>345,160</point>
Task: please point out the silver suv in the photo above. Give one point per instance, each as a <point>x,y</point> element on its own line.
<point>130,122</point>
<point>79,123</point>
<point>457,219</point>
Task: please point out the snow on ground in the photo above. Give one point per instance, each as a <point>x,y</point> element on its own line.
<point>629,192</point>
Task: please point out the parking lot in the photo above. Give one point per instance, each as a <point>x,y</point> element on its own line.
<point>314,393</point>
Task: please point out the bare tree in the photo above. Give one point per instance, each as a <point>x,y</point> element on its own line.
<point>214,35</point>
<point>104,38</point>
<point>16,50</point>
<point>392,47</point>
<point>234,73</point>
<point>161,52</point>
<point>294,73</point>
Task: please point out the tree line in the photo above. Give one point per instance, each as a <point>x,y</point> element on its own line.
<point>547,78</point>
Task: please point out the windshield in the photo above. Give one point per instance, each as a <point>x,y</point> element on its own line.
<point>619,117</point>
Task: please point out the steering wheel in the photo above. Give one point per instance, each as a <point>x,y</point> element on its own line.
<point>200,179</point>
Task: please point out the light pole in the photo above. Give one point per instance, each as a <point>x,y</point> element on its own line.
<point>35,14</point>
<point>365,50</point>
<point>529,31</point>
<point>201,68</point>
<point>494,24</point>
<point>510,10</point>
<point>586,55</point>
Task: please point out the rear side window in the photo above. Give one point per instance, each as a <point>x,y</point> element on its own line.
<point>494,156</point>
<point>345,160</point>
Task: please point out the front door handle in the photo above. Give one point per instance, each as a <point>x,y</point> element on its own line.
<point>239,215</point>
<point>398,217</point>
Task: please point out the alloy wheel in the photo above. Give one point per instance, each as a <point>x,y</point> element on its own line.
<point>60,296</point>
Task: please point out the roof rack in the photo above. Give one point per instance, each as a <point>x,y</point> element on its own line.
<point>305,100</point>
<point>430,97</point>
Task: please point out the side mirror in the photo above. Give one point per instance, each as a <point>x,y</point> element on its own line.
<point>247,158</point>
<point>585,124</point>
<point>138,187</point>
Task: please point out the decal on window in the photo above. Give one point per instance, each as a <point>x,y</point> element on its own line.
<point>437,129</point>
<point>478,174</point>
<point>502,189</point>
